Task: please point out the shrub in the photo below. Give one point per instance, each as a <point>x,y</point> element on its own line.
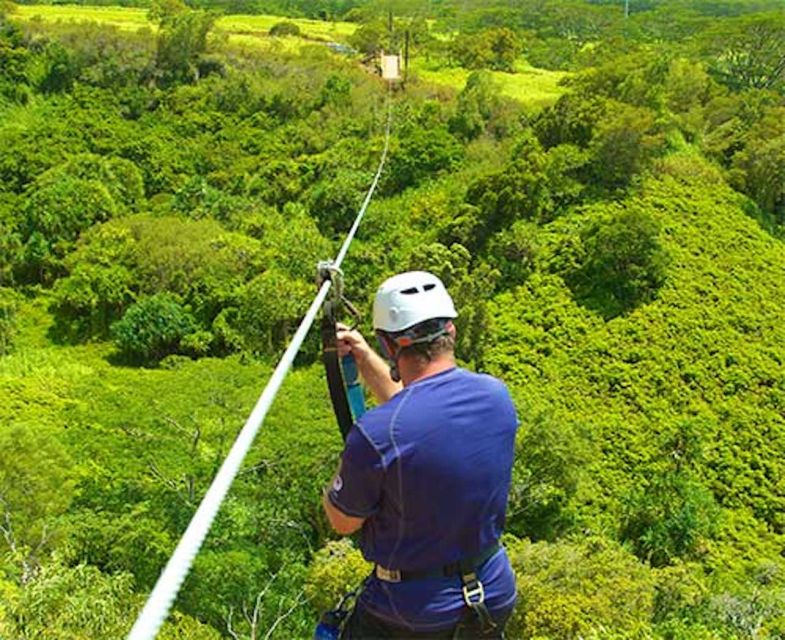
<point>153,328</point>
<point>336,569</point>
<point>285,28</point>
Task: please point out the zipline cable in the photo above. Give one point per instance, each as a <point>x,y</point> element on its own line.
<point>162,598</point>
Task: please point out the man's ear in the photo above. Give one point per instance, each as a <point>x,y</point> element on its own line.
<point>451,329</point>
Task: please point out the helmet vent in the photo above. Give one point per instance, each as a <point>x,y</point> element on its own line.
<point>428,287</point>
<point>410,291</point>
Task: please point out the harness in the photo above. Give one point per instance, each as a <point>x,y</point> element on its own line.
<point>346,394</point>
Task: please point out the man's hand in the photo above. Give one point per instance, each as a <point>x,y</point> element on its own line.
<point>374,371</point>
<point>352,341</point>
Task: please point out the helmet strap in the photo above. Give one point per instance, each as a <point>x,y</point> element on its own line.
<point>391,345</point>
<point>385,341</point>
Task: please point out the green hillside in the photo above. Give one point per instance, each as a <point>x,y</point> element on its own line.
<point>606,209</point>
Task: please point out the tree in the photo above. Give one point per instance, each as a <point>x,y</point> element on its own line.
<point>56,211</point>
<point>270,306</point>
<point>749,52</point>
<point>623,263</point>
<point>622,145</point>
<point>547,471</point>
<point>759,168</point>
<point>513,252</point>
<point>82,603</point>
<point>370,38</point>
<point>519,191</point>
<point>477,103</point>
<point>586,588</point>
<point>182,40</point>
<point>489,49</point>
<point>36,487</point>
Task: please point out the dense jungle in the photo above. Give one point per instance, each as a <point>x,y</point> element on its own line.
<point>600,186</point>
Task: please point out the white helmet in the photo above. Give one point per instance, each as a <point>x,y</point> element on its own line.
<point>409,299</point>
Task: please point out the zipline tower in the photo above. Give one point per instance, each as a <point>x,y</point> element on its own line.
<point>395,67</point>
<point>391,67</point>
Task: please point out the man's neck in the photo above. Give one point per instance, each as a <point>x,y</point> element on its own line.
<point>412,369</point>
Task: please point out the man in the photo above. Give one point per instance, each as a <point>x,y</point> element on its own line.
<point>426,476</point>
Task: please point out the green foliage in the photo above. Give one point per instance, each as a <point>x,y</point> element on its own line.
<point>622,145</point>
<point>152,328</point>
<point>749,53</point>
<point>114,264</point>
<point>336,569</point>
<point>63,602</point>
<point>335,201</point>
<point>622,262</point>
<point>549,456</point>
<point>56,211</point>
<point>419,153</point>
<point>31,501</point>
<point>673,514</point>
<point>670,518</point>
<point>518,192</point>
<point>489,49</point>
<point>578,590</point>
<point>269,309</point>
<point>370,38</point>
<point>759,168</point>
<point>9,307</point>
<point>513,252</point>
<point>477,104</point>
<point>82,603</point>
<point>182,41</point>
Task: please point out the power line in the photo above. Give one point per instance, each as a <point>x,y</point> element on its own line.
<point>160,601</point>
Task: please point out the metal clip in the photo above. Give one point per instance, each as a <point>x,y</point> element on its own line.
<point>327,270</point>
<point>388,575</point>
<point>476,592</point>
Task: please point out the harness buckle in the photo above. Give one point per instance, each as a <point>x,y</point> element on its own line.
<point>388,575</point>
<point>474,596</point>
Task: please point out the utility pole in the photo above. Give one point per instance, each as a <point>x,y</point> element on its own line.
<point>406,58</point>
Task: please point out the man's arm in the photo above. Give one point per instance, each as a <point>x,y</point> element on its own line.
<point>339,521</point>
<point>374,370</point>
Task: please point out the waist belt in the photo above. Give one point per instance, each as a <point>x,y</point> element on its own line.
<point>461,567</point>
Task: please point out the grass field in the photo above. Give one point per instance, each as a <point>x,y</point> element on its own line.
<point>132,19</point>
<point>530,86</point>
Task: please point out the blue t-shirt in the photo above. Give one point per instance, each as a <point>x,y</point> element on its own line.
<point>430,471</point>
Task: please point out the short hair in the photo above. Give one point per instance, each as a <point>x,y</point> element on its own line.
<point>443,345</point>
<point>440,345</point>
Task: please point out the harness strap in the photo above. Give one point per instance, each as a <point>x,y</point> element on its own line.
<point>473,590</point>
<point>459,568</point>
<point>332,366</point>
<point>346,393</point>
